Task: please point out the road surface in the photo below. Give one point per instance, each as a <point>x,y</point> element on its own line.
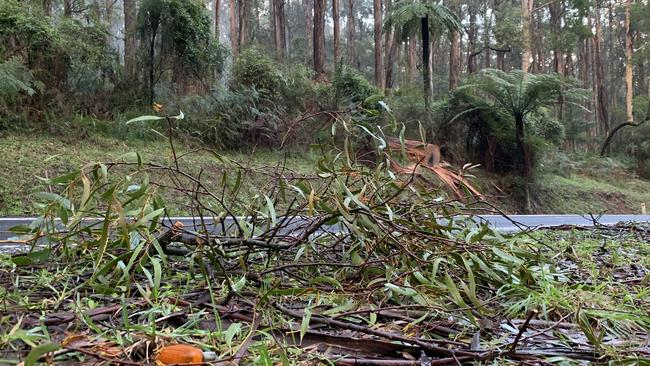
<point>508,224</point>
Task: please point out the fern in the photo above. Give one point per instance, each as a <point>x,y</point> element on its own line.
<point>16,78</point>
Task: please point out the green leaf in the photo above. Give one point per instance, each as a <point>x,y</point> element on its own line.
<point>32,258</point>
<point>230,333</point>
<point>55,199</point>
<point>271,208</point>
<point>131,157</point>
<point>157,275</point>
<point>304,325</point>
<point>507,257</point>
<point>38,351</point>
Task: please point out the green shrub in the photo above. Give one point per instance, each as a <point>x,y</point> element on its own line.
<point>348,88</point>
<point>255,69</point>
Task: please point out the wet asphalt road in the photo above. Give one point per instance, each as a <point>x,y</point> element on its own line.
<point>504,224</point>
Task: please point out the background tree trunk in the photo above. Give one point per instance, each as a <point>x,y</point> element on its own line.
<point>308,7</point>
<point>629,53</point>
<point>555,11</point>
<point>471,40</point>
<point>426,63</point>
<point>243,12</point>
<point>337,29</point>
<point>47,7</point>
<point>234,28</point>
<point>379,56</point>
<point>390,62</point>
<point>217,20</point>
<point>526,9</point>
<point>130,13</point>
<point>411,58</point>
<point>350,25</point>
<point>454,55</point>
<point>601,92</point>
<point>279,28</point>
<point>319,38</point>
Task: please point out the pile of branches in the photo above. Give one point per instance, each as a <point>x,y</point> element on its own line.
<point>353,266</point>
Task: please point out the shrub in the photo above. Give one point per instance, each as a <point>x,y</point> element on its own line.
<point>347,88</point>
<point>255,69</point>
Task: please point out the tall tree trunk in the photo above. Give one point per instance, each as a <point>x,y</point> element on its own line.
<point>411,58</point>
<point>555,11</point>
<point>130,13</point>
<point>601,91</point>
<point>279,28</point>
<point>47,7</point>
<point>67,8</point>
<point>234,27</point>
<point>217,20</point>
<point>308,7</point>
<point>337,29</point>
<point>498,18</point>
<point>351,33</point>
<point>426,61</point>
<point>152,63</point>
<point>390,62</point>
<point>379,56</point>
<point>629,53</point>
<point>487,19</point>
<point>523,159</point>
<point>243,12</point>
<point>454,55</point>
<point>319,39</point>
<point>471,40</point>
<point>389,52</point>
<point>526,9</point>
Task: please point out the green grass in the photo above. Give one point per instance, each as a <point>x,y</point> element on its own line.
<point>27,157</point>
<point>591,194</point>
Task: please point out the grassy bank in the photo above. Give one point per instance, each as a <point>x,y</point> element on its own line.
<point>26,157</point>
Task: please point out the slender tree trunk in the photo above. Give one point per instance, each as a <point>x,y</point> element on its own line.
<point>601,91</point>
<point>526,9</point>
<point>379,56</point>
<point>555,10</point>
<point>152,53</point>
<point>337,29</point>
<point>411,58</point>
<point>426,67</point>
<point>389,51</point>
<point>130,14</point>
<point>523,160</point>
<point>308,7</point>
<point>243,11</point>
<point>629,53</point>
<point>279,28</point>
<point>217,20</point>
<point>390,62</point>
<point>454,55</point>
<point>487,60</point>
<point>234,27</point>
<point>471,41</point>
<point>319,39</point>
<point>47,7</point>
<point>67,8</point>
<point>351,33</point>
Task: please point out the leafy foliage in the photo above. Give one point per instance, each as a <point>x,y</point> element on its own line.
<point>405,18</point>
<point>523,98</point>
<point>348,88</point>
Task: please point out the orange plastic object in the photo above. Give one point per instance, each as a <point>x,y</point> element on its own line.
<point>179,353</point>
